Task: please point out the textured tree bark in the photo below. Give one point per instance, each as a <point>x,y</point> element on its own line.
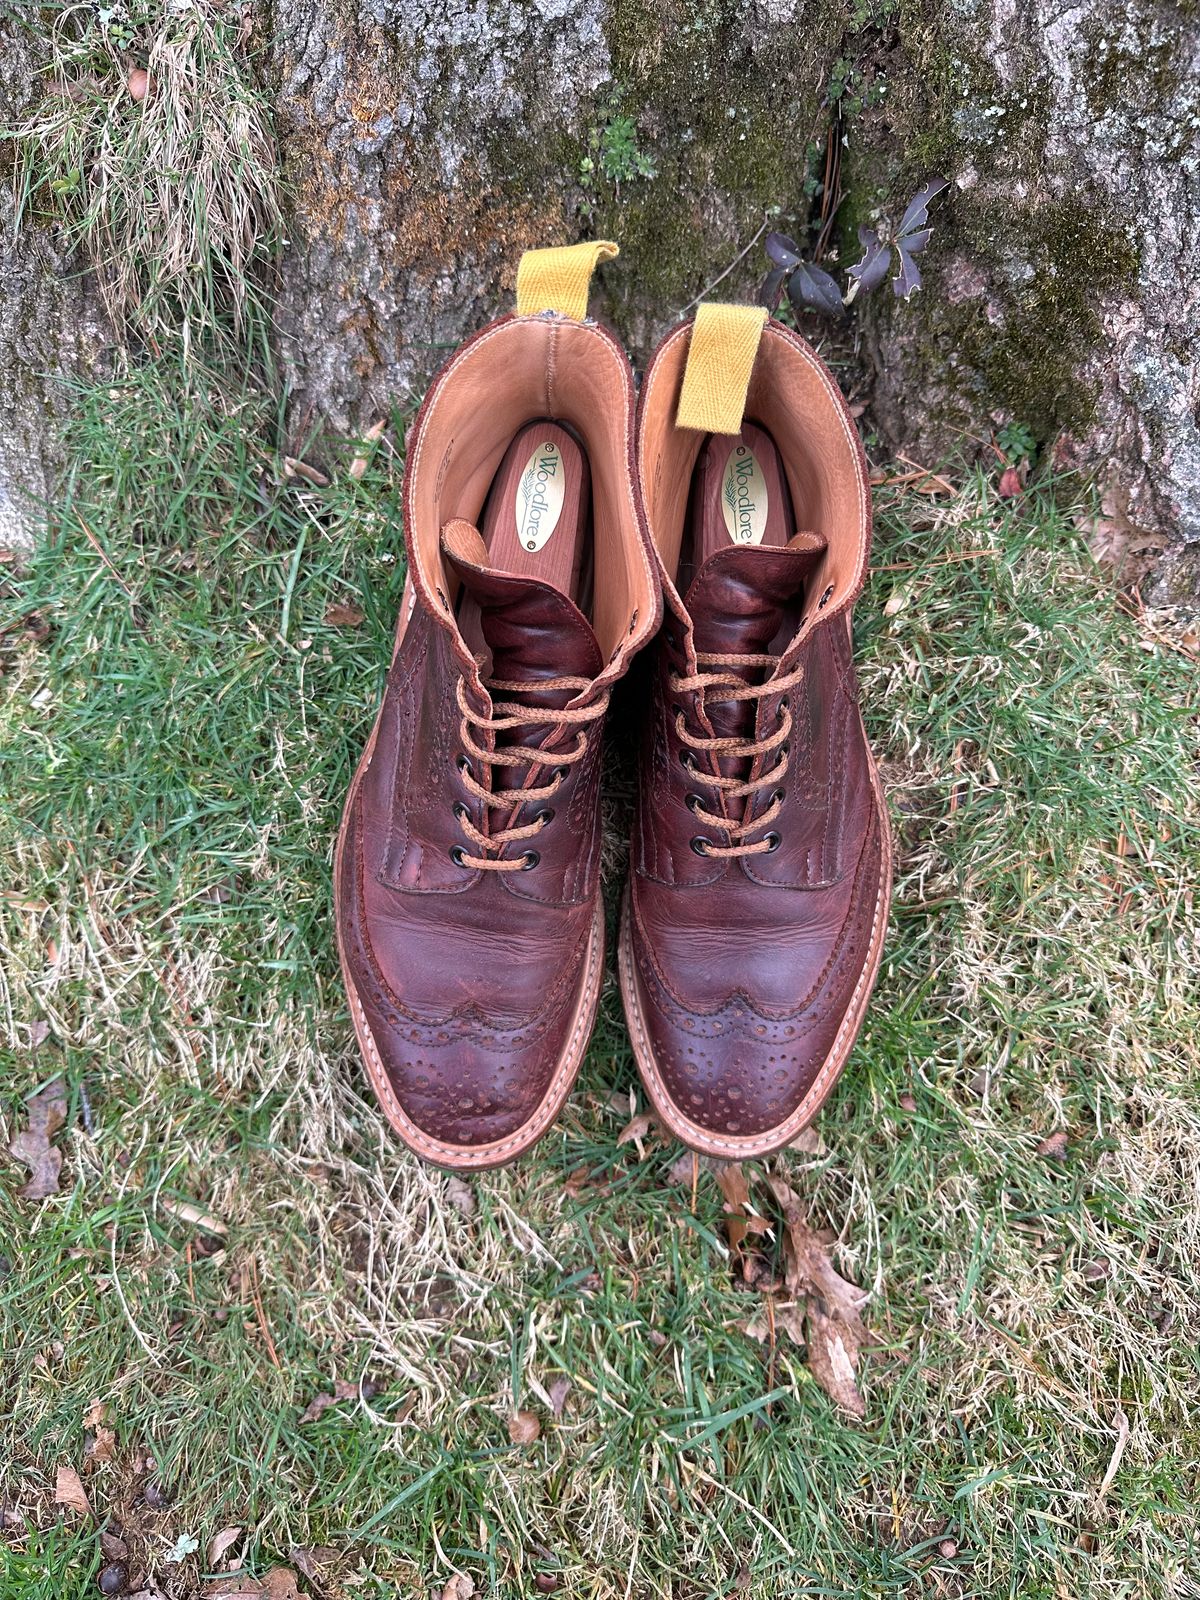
<point>1066,289</point>
<point>50,326</point>
<point>425,146</point>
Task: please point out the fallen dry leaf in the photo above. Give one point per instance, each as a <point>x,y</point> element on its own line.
<point>731,1181</point>
<point>280,1584</point>
<point>579,1180</point>
<point>113,1546</point>
<point>313,1562</point>
<point>460,1195</point>
<point>69,1491</point>
<point>39,1032</point>
<point>558,1389</point>
<point>186,1211</point>
<point>635,1130</point>
<point>524,1427</point>
<point>1010,485</point>
<point>343,616</point>
<point>277,1584</point>
<point>1054,1148</point>
<point>684,1168</point>
<point>789,1319</point>
<point>459,1587</point>
<point>321,1403</point>
<point>220,1543</point>
<point>834,1333</point>
<point>809,1143</point>
<point>95,1414</point>
<point>47,1113</point>
<point>833,1358</point>
<point>102,1446</point>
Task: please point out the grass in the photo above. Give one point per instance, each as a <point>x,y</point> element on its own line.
<point>178,731</point>
<point>155,149</point>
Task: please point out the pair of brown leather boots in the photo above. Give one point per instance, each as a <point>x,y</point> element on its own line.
<point>548,517</point>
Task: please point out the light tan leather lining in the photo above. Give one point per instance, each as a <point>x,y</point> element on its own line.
<point>793,397</point>
<point>521,370</point>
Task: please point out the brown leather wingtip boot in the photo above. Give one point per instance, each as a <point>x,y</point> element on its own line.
<point>761,865</point>
<point>467,885</point>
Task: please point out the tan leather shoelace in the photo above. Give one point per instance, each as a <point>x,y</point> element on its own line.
<point>713,682</point>
<point>507,715</point>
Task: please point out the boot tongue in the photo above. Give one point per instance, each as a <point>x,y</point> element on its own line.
<point>738,599</point>
<point>738,602</point>
<point>531,630</point>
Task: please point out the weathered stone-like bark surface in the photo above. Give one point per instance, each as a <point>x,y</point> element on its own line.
<point>49,323</point>
<point>429,144</point>
<point>1064,288</point>
<point>426,145</point>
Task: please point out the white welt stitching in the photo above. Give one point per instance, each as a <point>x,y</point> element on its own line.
<point>773,1138</point>
<point>472,1155</point>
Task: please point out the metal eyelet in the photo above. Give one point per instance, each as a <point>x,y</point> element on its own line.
<point>693,802</point>
<point>777,798</point>
<point>773,841</point>
<point>562,773</point>
<point>529,860</point>
<point>545,816</point>
<point>700,845</point>
<point>464,765</point>
<point>460,811</point>
<point>686,761</point>
<point>456,855</point>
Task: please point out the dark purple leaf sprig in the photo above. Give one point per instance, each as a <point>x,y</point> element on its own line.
<point>811,288</point>
<point>907,241</point>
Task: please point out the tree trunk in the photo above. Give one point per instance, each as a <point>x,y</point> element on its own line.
<point>424,147</point>
<point>49,323</point>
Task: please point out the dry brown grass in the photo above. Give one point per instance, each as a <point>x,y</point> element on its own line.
<point>173,196</point>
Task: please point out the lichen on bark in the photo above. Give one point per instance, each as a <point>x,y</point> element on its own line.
<point>425,146</point>
<point>1065,293</point>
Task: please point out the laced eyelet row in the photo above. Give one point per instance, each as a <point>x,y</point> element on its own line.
<point>717,679</point>
<point>504,716</point>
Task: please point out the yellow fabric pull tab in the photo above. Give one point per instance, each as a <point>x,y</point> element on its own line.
<point>720,360</point>
<point>558,279</point>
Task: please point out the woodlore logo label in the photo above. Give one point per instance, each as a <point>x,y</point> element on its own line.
<point>540,497</point>
<point>744,497</point>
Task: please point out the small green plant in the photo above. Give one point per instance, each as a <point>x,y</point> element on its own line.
<point>1016,443</point>
<point>620,156</point>
<point>614,153</point>
<point>848,91</point>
